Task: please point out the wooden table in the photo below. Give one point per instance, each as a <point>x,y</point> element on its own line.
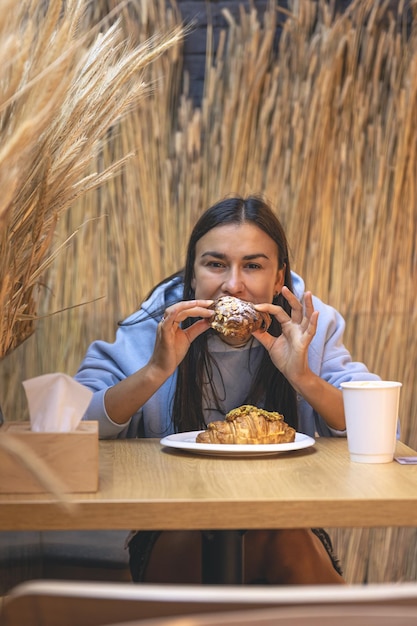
<point>144,486</point>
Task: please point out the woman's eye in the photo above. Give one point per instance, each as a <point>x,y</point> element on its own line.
<point>215,264</point>
<point>253,266</point>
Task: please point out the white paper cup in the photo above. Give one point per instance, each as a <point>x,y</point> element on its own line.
<point>371,411</point>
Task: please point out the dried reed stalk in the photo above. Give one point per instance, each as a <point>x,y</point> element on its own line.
<point>325,127</point>
<point>131,223</point>
<point>63,89</point>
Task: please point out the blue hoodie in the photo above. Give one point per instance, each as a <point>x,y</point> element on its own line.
<point>105,364</point>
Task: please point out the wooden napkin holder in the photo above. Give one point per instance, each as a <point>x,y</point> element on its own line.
<point>72,457</point>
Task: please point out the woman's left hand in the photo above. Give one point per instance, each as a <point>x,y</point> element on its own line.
<point>289,351</point>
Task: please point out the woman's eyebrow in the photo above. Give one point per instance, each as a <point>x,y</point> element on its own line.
<point>218,255</point>
<point>247,257</point>
<point>251,257</point>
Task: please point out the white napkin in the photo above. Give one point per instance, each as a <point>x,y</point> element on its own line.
<point>56,402</point>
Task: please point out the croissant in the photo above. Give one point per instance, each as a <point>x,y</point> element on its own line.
<point>237,318</point>
<point>248,424</point>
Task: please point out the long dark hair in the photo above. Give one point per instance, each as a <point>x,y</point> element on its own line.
<point>269,386</point>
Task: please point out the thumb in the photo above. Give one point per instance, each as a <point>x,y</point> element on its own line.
<point>197,329</point>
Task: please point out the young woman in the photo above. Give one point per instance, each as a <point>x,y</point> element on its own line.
<point>141,382</point>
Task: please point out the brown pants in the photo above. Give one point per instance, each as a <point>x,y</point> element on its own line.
<point>275,557</point>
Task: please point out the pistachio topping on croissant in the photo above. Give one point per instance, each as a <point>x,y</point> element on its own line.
<point>248,425</point>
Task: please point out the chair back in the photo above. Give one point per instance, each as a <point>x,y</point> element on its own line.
<point>343,615</point>
<point>48,603</point>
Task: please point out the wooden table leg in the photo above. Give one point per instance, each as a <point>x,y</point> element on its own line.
<point>222,557</point>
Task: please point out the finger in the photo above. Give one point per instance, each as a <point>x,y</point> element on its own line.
<point>311,326</point>
<point>189,304</point>
<point>169,319</point>
<point>275,310</point>
<point>264,338</point>
<point>196,329</point>
<point>308,304</point>
<point>196,311</point>
<point>189,308</point>
<point>295,304</point>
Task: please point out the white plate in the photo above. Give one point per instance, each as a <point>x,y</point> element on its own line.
<point>186,441</point>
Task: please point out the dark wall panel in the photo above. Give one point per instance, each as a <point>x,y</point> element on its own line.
<point>202,12</point>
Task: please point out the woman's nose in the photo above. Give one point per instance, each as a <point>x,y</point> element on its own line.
<point>233,284</point>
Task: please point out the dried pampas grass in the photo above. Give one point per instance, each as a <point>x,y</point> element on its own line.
<point>64,84</point>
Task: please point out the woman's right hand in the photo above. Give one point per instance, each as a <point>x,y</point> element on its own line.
<point>171,345</point>
<point>172,341</point>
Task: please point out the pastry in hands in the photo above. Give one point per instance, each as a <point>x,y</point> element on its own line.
<point>237,319</point>
<point>248,424</point>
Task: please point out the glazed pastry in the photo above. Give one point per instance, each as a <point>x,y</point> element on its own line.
<point>248,425</point>
<point>237,319</point>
